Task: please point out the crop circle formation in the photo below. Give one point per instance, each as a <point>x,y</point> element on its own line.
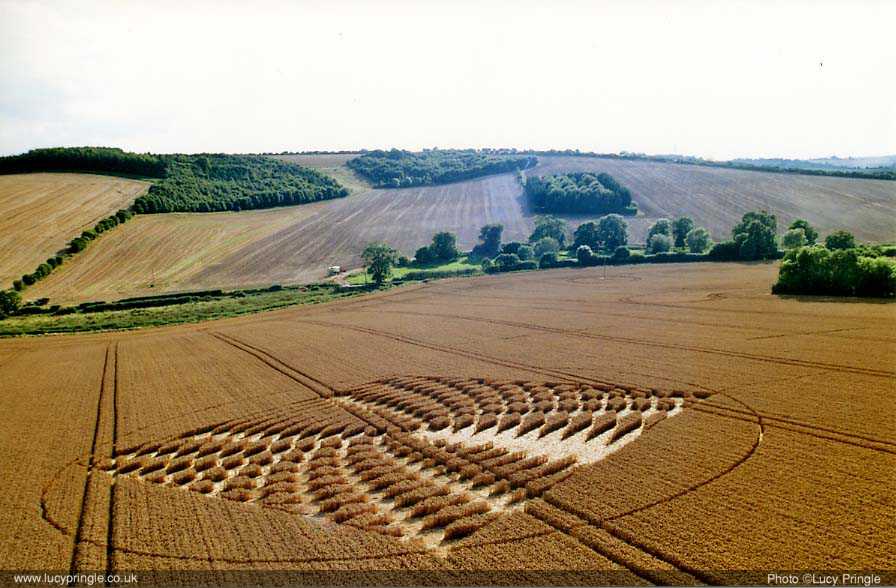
<point>415,457</point>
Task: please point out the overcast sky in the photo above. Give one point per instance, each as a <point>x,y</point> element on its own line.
<point>717,79</point>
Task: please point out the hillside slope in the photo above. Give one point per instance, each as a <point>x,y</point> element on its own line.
<point>40,213</point>
<point>155,253</point>
<point>294,246</point>
<point>716,197</point>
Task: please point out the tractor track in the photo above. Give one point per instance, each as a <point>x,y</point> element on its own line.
<point>110,521</point>
<point>543,371</point>
<point>88,476</point>
<point>272,360</point>
<point>645,343</point>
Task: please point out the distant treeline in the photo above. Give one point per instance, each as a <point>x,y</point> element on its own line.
<point>86,159</point>
<point>190,183</point>
<point>216,182</point>
<point>882,173</point>
<point>579,193</point>
<point>864,164</point>
<point>400,169</point>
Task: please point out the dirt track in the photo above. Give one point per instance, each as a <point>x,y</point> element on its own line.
<point>782,458</point>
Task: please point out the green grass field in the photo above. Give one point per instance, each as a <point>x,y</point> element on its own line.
<point>231,304</point>
<point>461,264</point>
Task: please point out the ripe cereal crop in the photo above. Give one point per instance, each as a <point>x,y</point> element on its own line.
<point>649,472</point>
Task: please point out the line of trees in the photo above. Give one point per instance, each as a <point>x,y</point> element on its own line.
<point>579,193</point>
<point>74,246</point>
<point>877,173</point>
<point>400,169</point>
<point>840,267</point>
<point>109,160</point>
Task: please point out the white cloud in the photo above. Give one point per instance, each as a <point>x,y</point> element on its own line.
<point>719,79</point>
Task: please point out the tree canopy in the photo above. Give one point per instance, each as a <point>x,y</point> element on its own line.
<point>662,226</point>
<point>489,242</point>
<point>612,231</point>
<point>698,240</point>
<point>206,182</point>
<point>808,230</point>
<point>442,248</point>
<point>840,240</point>
<point>379,259</point>
<point>579,193</point>
<point>681,226</point>
<point>793,239</point>
<point>659,243</point>
<point>215,182</point>
<point>843,272</point>
<point>89,159</point>
<point>399,169</point>
<point>550,226</point>
<point>755,236</point>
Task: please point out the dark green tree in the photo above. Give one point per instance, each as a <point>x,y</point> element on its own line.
<point>586,234</point>
<point>793,239</point>
<point>424,255</point>
<point>507,261</point>
<point>621,254</point>
<point>584,254</point>
<point>659,243</point>
<point>755,235</point>
<point>698,240</point>
<point>769,220</point>
<point>840,240</point>
<point>444,246</point>
<point>612,231</point>
<point>661,227</point>
<point>511,247</point>
<point>756,242</point>
<point>550,226</point>
<point>490,242</point>
<point>379,259</point>
<point>525,252</point>
<point>681,226</point>
<point>9,302</point>
<point>809,230</point>
<point>548,260</point>
<point>545,245</point>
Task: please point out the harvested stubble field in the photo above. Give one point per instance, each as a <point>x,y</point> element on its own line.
<point>160,253</point>
<point>294,245</point>
<point>370,434</point>
<point>717,198</point>
<point>40,213</point>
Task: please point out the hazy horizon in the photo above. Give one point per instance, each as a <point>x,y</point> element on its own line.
<point>756,79</point>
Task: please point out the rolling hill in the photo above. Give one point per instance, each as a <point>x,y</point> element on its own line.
<point>39,213</point>
<point>289,246</point>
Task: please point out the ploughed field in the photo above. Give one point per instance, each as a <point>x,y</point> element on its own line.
<point>662,424</point>
<point>163,253</point>
<point>40,213</point>
<point>717,198</point>
<point>284,245</point>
